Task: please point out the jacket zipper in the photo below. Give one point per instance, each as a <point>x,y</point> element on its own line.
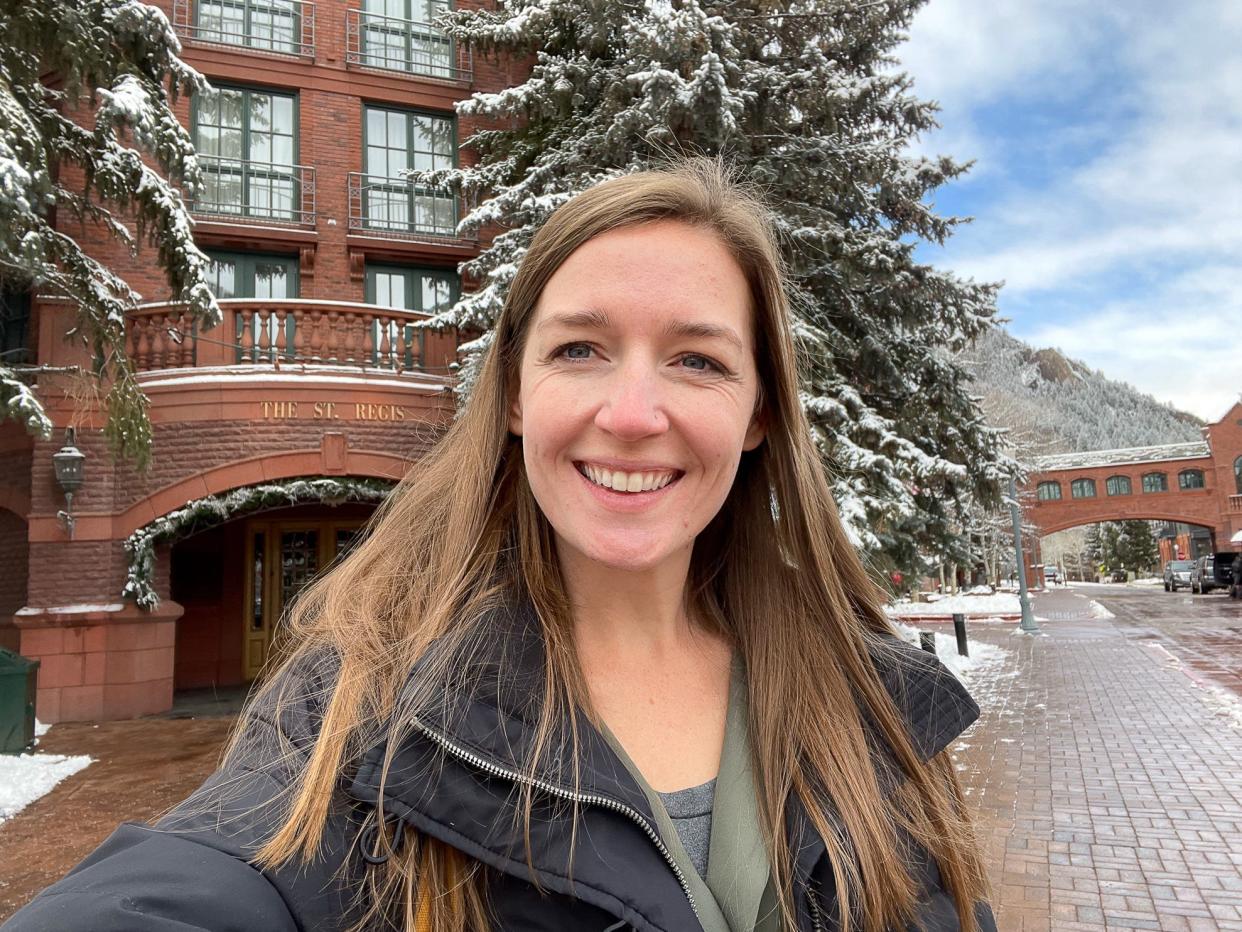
<point>552,789</point>
<point>817,923</point>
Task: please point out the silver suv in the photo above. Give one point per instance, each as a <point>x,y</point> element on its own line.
<point>1177,574</point>
<point>1203,576</point>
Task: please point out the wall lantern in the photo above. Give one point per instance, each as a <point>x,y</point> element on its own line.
<point>68,462</point>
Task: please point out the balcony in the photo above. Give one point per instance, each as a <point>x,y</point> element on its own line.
<point>408,46</point>
<point>395,208</point>
<point>1235,504</point>
<point>281,27</point>
<point>235,188</point>
<point>287,333</point>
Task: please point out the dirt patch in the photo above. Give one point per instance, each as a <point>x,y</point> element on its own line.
<point>142,768</point>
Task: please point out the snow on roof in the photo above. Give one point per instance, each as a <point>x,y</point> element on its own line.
<point>1149,454</point>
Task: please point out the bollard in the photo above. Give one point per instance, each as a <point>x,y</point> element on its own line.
<point>927,641</point>
<point>959,628</point>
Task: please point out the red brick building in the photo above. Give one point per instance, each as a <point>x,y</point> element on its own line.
<point>323,257</point>
<point>1197,484</point>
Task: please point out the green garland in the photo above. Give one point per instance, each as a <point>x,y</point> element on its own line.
<point>204,513</point>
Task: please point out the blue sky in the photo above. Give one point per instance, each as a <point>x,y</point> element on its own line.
<point>1107,186</point>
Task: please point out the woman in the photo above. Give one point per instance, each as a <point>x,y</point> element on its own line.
<point>619,577</point>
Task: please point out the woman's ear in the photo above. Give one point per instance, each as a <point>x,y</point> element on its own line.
<point>757,430</point>
<point>515,416</point>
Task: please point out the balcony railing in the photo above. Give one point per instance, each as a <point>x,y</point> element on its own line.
<point>375,41</point>
<point>235,188</point>
<point>284,27</point>
<point>1235,504</point>
<point>279,332</point>
<point>399,209</point>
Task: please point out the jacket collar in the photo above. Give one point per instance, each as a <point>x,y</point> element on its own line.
<point>452,777</point>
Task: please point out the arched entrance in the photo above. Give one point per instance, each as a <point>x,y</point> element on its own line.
<point>236,580</point>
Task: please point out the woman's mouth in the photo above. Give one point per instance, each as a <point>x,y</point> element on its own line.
<point>629,482</point>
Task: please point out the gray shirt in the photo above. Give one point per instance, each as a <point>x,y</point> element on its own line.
<point>691,812</point>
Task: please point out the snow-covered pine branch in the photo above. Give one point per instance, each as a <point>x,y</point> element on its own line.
<point>119,59</point>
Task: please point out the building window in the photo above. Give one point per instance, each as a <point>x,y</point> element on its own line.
<point>398,35</point>
<point>247,145</point>
<point>252,275</point>
<point>428,291</point>
<point>1118,485</point>
<point>14,327</point>
<point>1190,479</point>
<point>1082,488</point>
<point>1237,474</point>
<point>1048,491</point>
<point>273,25</point>
<point>1155,482</point>
<point>237,275</point>
<point>397,141</point>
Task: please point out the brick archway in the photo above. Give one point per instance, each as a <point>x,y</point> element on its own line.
<point>15,501</point>
<point>1055,528</point>
<point>268,468</point>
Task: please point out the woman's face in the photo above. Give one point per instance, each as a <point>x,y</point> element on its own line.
<point>637,393</point>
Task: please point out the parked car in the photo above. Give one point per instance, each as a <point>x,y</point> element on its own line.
<point>1177,574</point>
<point>1052,576</point>
<point>1212,571</point>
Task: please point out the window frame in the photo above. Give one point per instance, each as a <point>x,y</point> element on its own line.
<point>413,275</point>
<point>369,223</point>
<point>1083,483</point>
<point>243,164</point>
<point>15,315</point>
<point>1182,484</point>
<point>247,261</point>
<point>1118,480</point>
<point>1048,486</point>
<point>248,38</point>
<point>407,35</point>
<point>1164,482</point>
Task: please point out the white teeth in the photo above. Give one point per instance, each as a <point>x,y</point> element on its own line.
<point>626,482</point>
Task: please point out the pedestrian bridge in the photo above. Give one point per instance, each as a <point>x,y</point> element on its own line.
<point>1197,483</point>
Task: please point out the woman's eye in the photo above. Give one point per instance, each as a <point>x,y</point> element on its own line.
<point>576,351</point>
<point>696,362</point>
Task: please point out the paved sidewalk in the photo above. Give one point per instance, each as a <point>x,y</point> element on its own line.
<point>1108,781</point>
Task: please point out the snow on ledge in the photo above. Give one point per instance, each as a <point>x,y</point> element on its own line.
<point>71,609</point>
<point>1125,455</point>
<point>1000,603</point>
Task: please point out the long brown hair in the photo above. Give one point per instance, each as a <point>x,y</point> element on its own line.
<point>774,571</point>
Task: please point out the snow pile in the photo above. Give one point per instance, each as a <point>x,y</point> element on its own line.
<point>26,777</point>
<point>998,603</point>
<point>1098,611</point>
<point>985,664</point>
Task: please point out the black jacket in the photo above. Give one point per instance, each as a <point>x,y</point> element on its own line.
<point>452,779</point>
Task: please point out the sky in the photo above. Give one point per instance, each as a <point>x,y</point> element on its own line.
<point>1107,184</point>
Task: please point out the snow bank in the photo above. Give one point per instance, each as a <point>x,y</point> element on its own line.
<point>998,603</point>
<point>985,662</point>
<point>26,777</point>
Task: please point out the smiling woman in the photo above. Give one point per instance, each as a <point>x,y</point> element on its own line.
<point>605,659</point>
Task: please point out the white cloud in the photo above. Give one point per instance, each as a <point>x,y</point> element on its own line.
<point>1157,199</point>
<point>1191,355</point>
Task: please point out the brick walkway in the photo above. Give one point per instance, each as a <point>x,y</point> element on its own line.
<point>1108,780</point>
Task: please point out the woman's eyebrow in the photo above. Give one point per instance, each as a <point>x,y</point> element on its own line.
<point>591,319</point>
<point>595,319</point>
<point>701,329</point>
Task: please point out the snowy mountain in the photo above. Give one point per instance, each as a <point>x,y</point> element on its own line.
<point>1053,404</point>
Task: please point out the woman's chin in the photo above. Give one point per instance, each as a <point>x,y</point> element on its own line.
<point>629,555</point>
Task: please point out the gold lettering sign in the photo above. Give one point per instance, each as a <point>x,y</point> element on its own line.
<point>330,411</point>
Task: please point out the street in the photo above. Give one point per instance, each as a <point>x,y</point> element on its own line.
<point>1106,765</point>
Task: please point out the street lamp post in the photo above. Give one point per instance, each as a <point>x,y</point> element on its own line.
<point>1028,617</point>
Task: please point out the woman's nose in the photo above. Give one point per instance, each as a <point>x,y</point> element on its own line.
<point>633,407</point>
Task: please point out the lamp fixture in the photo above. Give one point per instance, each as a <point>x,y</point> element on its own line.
<point>68,462</point>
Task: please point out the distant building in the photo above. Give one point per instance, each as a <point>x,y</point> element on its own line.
<point>324,257</point>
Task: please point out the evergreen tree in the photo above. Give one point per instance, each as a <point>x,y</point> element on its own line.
<point>117,62</point>
<point>803,98</point>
